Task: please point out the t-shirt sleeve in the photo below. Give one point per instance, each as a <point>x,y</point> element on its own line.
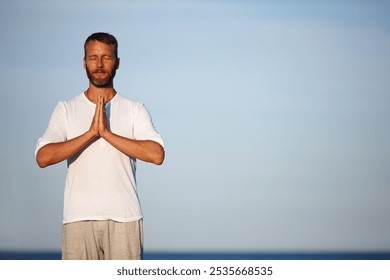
<point>56,130</point>
<point>144,128</point>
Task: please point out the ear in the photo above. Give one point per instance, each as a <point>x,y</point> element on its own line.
<point>84,64</point>
<point>117,63</point>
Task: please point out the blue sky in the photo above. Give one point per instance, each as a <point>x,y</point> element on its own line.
<point>275,114</point>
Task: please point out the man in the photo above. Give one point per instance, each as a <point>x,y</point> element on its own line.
<point>101,134</point>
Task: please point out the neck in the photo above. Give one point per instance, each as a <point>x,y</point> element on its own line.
<point>93,93</point>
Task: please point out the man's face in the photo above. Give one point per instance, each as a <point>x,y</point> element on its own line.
<point>100,64</point>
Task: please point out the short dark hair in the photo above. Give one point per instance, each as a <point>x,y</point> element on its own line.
<point>104,38</point>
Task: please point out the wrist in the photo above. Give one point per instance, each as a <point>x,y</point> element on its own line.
<point>90,134</point>
<point>106,134</point>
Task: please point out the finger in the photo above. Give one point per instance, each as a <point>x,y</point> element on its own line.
<point>98,107</point>
<point>102,104</point>
<point>102,110</point>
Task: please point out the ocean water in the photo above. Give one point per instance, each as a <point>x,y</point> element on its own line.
<point>19,255</point>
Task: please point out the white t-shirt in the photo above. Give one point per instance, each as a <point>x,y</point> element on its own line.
<point>100,182</point>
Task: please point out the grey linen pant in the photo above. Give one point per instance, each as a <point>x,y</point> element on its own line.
<point>102,240</point>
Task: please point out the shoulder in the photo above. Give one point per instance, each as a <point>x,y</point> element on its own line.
<point>72,105</point>
<point>75,100</point>
<point>131,104</point>
<point>127,101</point>
<point>79,102</point>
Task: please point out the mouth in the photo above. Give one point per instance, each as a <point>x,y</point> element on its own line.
<point>100,75</point>
<point>100,72</point>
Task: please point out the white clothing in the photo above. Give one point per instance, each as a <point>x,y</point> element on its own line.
<point>100,182</point>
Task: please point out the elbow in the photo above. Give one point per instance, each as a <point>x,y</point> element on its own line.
<point>41,161</point>
<point>159,156</point>
<point>158,161</point>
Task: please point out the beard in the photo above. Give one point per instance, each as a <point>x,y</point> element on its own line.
<point>101,82</point>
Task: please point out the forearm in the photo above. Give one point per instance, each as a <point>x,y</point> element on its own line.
<point>56,152</point>
<point>145,150</point>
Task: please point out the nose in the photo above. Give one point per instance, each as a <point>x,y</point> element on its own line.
<point>100,63</point>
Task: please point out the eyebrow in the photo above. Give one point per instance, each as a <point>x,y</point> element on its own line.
<point>95,55</point>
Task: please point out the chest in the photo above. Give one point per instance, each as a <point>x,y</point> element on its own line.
<point>120,120</point>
